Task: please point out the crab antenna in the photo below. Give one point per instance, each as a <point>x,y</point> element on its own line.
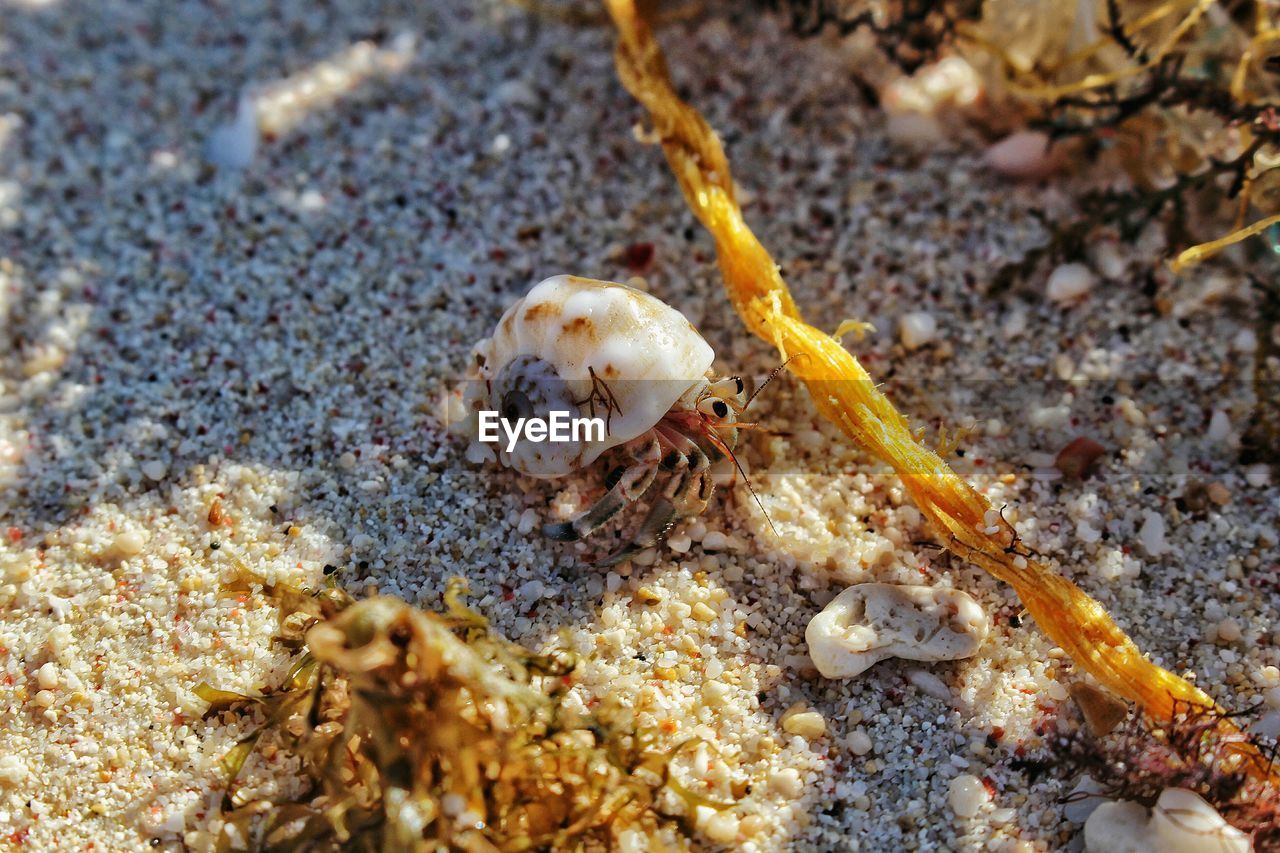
<point>736,464</point>
<point>772,376</point>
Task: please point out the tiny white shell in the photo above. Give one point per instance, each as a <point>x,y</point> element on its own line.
<point>569,338</point>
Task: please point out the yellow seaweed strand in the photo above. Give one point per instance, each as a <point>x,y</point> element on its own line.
<point>845,393</point>
<point>1196,254</point>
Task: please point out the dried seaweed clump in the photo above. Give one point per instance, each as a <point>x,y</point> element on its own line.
<point>421,731</point>
<point>909,32</point>
<point>1141,759</point>
<point>1180,95</point>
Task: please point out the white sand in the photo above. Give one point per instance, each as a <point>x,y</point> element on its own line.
<point>278,339</point>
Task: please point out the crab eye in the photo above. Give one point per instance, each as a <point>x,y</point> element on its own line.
<point>714,407</point>
<point>516,405</point>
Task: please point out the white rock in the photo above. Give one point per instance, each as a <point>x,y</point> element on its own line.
<point>950,82</point>
<point>1219,426</point>
<point>1117,827</point>
<point>721,828</point>
<point>1015,324</point>
<point>914,130</point>
<point>13,770</point>
<point>1245,341</point>
<point>47,676</point>
<point>917,328</point>
<point>1268,725</point>
<point>1257,475</point>
<point>1108,260</point>
<point>1025,154</point>
<point>966,795</point>
<point>715,541</point>
<point>531,590</point>
<point>999,817</point>
<point>929,684</point>
<point>872,621</point>
<point>803,721</point>
<point>859,742</point>
<point>716,693</point>
<point>787,783</point>
<point>154,469</point>
<point>516,92</point>
<point>528,521</point>
<point>1083,800</point>
<point>1069,282</point>
<point>234,145</point>
<point>1229,630</point>
<point>1151,535</point>
<point>1086,532</point>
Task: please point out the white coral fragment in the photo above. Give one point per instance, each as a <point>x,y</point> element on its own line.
<point>872,621</point>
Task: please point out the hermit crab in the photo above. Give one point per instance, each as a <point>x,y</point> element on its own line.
<point>629,365</point>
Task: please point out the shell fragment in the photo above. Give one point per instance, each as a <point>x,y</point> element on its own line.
<point>872,621</point>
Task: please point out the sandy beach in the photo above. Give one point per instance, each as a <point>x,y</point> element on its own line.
<point>209,367</point>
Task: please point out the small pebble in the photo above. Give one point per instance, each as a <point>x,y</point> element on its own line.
<point>859,742</point>
<point>154,469</point>
<point>787,783</point>
<point>721,828</point>
<point>929,684</point>
<point>703,613</point>
<point>1069,282</point>
<point>235,144</point>
<point>1108,260</point>
<point>128,543</point>
<point>999,817</point>
<point>808,724</point>
<point>13,770</point>
<point>1229,630</point>
<point>917,329</point>
<point>1258,475</point>
<point>1024,154</point>
<point>1268,725</point>
<point>716,693</point>
<point>1151,535</point>
<point>1219,426</point>
<point>47,676</point>
<point>966,795</point>
<point>1077,459</point>
<point>914,130</point>
<point>528,521</point>
<point>1083,799</point>
<point>715,541</point>
<point>1101,710</point>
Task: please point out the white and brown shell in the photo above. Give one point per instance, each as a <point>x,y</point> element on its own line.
<point>592,348</point>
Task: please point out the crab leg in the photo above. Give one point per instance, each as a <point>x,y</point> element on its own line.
<point>686,494</point>
<point>631,486</point>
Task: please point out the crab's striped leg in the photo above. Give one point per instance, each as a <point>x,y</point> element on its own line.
<point>636,479</point>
